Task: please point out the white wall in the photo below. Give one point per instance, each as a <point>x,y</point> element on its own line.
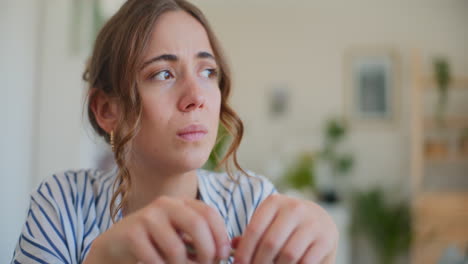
<point>63,142</point>
<point>40,107</point>
<point>18,34</point>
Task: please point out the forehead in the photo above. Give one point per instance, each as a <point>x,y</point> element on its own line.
<point>177,32</point>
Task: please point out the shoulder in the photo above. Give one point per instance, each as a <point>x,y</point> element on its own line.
<point>76,195</point>
<point>74,184</point>
<point>62,219</point>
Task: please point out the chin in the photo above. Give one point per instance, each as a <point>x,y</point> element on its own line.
<point>192,161</point>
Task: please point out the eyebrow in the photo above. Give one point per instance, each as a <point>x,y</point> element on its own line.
<point>174,58</point>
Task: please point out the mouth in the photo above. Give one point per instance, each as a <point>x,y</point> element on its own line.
<point>192,133</point>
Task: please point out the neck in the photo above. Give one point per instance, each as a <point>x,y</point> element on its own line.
<point>147,186</point>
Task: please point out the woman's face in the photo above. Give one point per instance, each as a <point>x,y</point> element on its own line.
<point>181,100</point>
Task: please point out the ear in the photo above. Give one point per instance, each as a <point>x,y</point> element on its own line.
<point>105,110</point>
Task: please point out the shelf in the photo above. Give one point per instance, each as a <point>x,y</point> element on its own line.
<point>449,122</point>
<point>450,175</point>
<point>457,83</point>
<point>439,169</point>
<point>449,201</point>
<point>453,159</point>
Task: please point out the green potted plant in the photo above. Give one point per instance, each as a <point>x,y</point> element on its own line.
<point>300,175</point>
<point>387,226</point>
<point>338,164</point>
<point>443,78</point>
<point>436,146</point>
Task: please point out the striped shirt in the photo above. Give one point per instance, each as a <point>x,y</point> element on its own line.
<point>70,209</point>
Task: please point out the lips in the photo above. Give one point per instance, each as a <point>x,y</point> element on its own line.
<point>192,132</point>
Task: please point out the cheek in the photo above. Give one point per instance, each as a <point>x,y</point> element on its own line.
<point>156,101</point>
<point>154,116</point>
<point>150,113</point>
<point>214,113</point>
<point>217,102</point>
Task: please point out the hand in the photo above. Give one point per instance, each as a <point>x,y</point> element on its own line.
<point>156,234</point>
<point>288,230</point>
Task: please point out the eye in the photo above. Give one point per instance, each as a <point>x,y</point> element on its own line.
<point>162,75</point>
<point>210,73</point>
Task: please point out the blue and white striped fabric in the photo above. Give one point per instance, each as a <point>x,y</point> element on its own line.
<point>69,210</point>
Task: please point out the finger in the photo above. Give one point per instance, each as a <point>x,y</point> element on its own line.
<point>296,245</point>
<point>316,253</point>
<point>188,221</point>
<point>216,225</point>
<point>165,237</point>
<point>276,236</point>
<point>143,249</point>
<point>260,221</point>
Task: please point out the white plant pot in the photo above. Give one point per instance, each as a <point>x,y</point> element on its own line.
<point>341,216</point>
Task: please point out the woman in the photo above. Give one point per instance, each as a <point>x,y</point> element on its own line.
<point>159,85</point>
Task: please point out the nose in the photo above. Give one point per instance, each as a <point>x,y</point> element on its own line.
<point>192,98</point>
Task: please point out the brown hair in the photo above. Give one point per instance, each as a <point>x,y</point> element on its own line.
<point>113,69</point>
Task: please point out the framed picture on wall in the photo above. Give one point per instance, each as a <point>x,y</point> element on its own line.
<point>371,85</point>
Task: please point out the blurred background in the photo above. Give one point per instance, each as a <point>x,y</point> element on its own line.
<point>361,106</point>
